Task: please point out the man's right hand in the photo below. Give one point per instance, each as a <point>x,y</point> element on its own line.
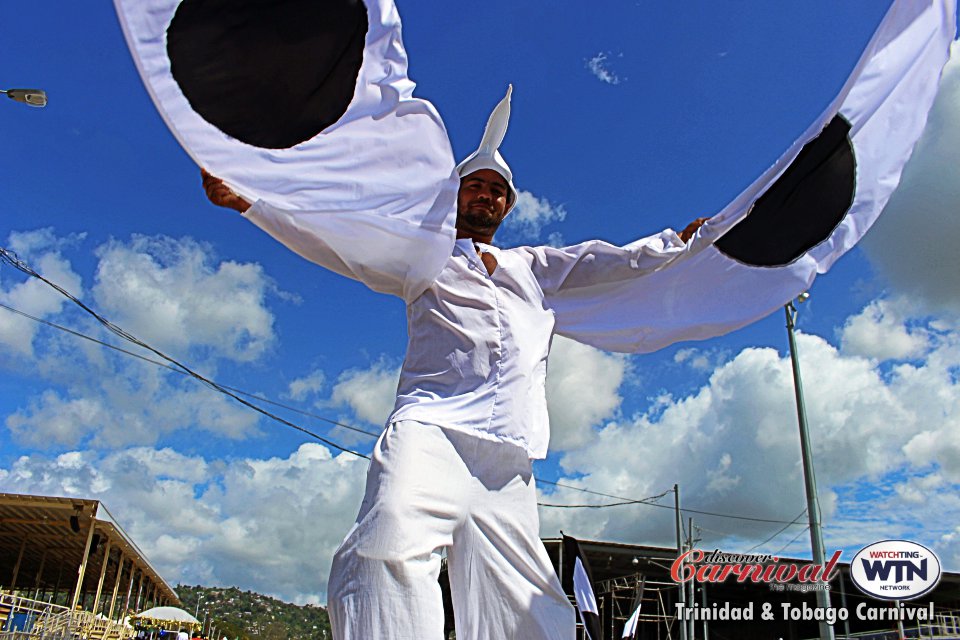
<point>221,195</point>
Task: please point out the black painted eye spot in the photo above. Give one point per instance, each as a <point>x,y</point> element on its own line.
<point>270,73</point>
<point>803,207</point>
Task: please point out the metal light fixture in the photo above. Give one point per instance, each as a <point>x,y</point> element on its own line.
<point>32,97</point>
<point>75,518</point>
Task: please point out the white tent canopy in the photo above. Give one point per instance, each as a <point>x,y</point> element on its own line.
<point>167,615</point>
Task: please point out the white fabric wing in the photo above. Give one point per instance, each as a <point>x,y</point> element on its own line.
<point>369,192</point>
<point>794,222</point>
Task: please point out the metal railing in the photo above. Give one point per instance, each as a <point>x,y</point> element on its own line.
<point>28,619</point>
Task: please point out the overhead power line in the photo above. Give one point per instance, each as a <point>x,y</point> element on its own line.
<point>622,502</point>
<point>127,352</point>
<point>779,531</point>
<point>806,528</point>
<point>11,259</point>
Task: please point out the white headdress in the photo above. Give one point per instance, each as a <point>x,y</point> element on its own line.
<point>487,156</point>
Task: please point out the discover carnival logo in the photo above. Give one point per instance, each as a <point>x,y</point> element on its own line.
<point>895,570</point>
<point>717,566</point>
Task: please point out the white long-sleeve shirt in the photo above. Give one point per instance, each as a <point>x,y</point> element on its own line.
<point>478,343</point>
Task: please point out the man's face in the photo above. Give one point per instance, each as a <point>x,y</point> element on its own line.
<point>482,202</point>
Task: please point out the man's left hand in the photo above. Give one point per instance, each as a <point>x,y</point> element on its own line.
<point>691,229</point>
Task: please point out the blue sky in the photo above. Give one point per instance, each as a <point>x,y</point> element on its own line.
<point>627,118</point>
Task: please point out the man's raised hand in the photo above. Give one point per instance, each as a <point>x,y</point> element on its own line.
<point>221,195</point>
<point>691,229</point>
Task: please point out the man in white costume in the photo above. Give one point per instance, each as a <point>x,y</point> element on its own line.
<point>452,471</point>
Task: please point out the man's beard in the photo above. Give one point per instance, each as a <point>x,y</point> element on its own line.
<point>479,219</point>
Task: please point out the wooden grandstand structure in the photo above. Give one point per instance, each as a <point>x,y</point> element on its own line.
<point>68,570</point>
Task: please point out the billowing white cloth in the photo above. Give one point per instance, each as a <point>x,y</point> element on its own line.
<point>377,188</point>
<point>708,293</point>
<point>478,343</point>
<point>430,489</point>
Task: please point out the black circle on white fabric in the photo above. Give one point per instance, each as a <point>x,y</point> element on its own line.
<point>802,207</point>
<point>271,73</point>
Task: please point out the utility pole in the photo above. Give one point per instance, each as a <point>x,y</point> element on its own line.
<point>703,603</point>
<point>809,478</point>
<point>691,596</point>
<point>681,588</point>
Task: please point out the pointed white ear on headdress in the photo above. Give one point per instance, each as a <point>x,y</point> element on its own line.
<point>496,126</point>
<point>487,155</point>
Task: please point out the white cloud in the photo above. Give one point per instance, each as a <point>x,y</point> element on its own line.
<point>42,251</point>
<point>167,293</point>
<point>531,214</point>
<point>270,525</point>
<point>369,393</point>
<point>599,67</point>
<point>555,239</point>
<point>719,479</point>
<point>54,420</point>
<point>122,404</point>
<point>949,548</point>
<point>914,242</point>
<point>697,359</point>
<point>880,331</point>
<point>308,385</point>
<point>287,516</point>
<point>582,389</point>
<point>940,444</point>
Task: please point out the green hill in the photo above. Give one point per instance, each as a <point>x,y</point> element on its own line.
<point>246,615</point>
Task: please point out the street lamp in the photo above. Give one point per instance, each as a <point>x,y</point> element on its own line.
<point>32,97</point>
<point>810,480</point>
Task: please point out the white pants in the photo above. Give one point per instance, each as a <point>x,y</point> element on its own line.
<point>430,489</point>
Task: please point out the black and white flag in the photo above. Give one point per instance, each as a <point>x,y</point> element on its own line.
<point>630,628</point>
<point>578,580</point>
